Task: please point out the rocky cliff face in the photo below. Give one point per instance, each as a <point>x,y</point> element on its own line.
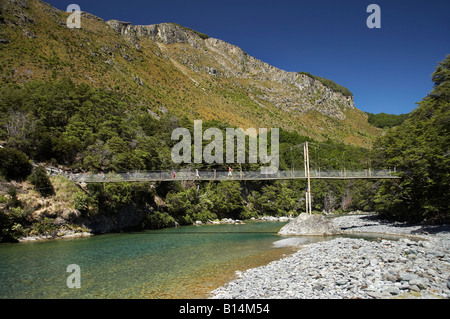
<point>289,91</point>
<point>170,68</point>
<point>293,92</point>
<point>167,33</point>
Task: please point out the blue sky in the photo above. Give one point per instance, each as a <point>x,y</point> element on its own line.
<point>388,69</point>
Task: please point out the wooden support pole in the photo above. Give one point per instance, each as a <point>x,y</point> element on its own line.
<point>309,179</point>
<point>306,175</point>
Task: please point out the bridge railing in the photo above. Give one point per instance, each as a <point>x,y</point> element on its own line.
<point>367,173</point>
<point>183,175</point>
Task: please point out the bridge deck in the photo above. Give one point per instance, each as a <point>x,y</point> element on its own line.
<point>216,175</point>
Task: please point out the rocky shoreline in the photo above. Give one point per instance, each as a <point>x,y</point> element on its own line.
<point>238,221</point>
<point>415,266</point>
<point>62,234</point>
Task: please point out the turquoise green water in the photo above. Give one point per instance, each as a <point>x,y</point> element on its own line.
<point>184,262</point>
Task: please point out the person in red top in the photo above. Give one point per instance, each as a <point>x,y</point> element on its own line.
<point>230,174</point>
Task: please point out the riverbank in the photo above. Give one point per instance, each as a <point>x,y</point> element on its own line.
<point>416,266</point>
<point>69,234</point>
<point>62,234</point>
<point>238,221</point>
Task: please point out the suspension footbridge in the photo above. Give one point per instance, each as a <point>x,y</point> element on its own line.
<point>223,175</point>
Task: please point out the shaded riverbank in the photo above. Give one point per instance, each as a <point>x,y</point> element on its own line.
<point>70,234</point>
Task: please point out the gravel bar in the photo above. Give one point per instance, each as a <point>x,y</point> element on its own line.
<point>415,266</point>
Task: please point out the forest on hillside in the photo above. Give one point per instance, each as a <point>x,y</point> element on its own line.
<point>383,120</point>
<point>87,129</point>
<point>84,129</point>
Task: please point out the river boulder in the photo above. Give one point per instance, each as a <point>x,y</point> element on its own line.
<point>306,224</point>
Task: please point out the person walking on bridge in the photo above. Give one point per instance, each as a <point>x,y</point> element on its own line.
<point>230,170</point>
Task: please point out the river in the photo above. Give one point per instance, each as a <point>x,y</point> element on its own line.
<point>183,262</point>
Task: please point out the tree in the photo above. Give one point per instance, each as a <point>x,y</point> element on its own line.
<point>441,79</point>
<point>41,182</point>
<point>81,201</point>
<point>280,198</point>
<point>420,147</point>
<point>180,203</point>
<point>227,199</point>
<point>14,164</point>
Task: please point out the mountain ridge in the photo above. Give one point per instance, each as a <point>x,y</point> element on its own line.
<point>249,67</point>
<point>167,67</point>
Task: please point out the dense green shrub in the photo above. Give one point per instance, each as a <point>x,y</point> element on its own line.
<point>81,201</point>
<point>279,198</point>
<point>179,203</point>
<point>13,201</point>
<point>248,213</point>
<point>226,198</point>
<point>8,228</point>
<point>12,222</point>
<point>111,198</point>
<point>41,182</point>
<point>44,226</point>
<point>14,164</point>
<point>158,220</point>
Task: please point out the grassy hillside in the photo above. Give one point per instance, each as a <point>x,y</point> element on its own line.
<point>160,77</point>
<point>106,97</point>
